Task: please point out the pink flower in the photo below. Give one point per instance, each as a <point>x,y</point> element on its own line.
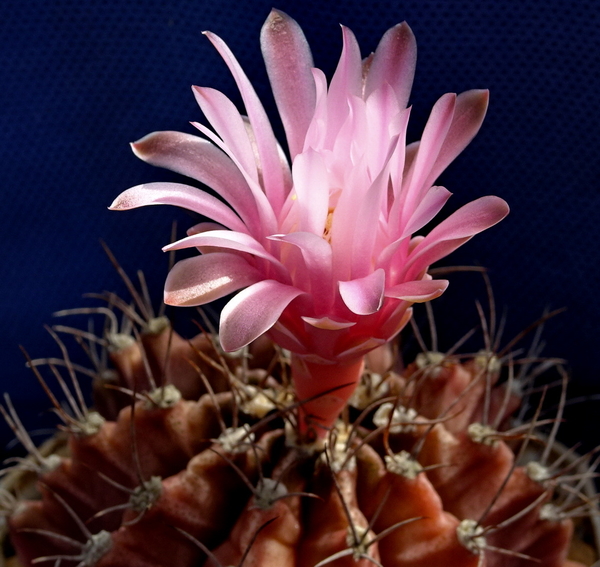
<point>322,249</point>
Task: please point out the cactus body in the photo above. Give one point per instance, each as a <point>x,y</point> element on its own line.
<point>421,472</point>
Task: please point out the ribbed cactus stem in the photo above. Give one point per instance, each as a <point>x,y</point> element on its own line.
<point>323,389</point>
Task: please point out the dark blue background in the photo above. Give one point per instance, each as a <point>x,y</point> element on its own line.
<point>81,79</point>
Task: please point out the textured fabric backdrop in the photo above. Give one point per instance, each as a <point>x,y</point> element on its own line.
<point>82,78</point>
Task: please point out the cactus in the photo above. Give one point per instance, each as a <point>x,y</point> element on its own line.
<point>295,436</point>
<point>430,465</point>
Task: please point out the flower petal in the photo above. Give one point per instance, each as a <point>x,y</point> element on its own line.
<point>289,62</point>
<point>315,250</point>
<point>470,110</point>
<point>394,63</point>
<point>328,323</point>
<point>435,132</point>
<point>364,296</point>
<point>181,196</point>
<point>265,139</point>
<point>202,279</point>
<point>345,83</point>
<point>229,125</point>
<point>253,311</point>
<point>428,208</point>
<point>460,226</point>
<point>418,291</point>
<point>230,241</point>
<point>199,159</point>
<point>203,227</point>
<point>266,216</point>
<point>311,184</point>
<point>369,211</point>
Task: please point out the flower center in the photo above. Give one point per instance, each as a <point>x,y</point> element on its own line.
<point>328,223</point>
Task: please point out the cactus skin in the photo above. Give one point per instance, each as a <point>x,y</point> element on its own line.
<point>422,481</point>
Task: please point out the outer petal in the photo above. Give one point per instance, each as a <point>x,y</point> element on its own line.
<point>428,208</point>
<point>199,159</point>
<point>364,296</point>
<point>289,62</point>
<point>181,196</point>
<point>418,291</point>
<point>385,120</point>
<point>265,139</point>
<point>470,110</point>
<point>345,83</point>
<point>472,218</point>
<point>366,231</point>
<point>311,184</point>
<point>229,125</point>
<point>394,63</point>
<point>328,323</point>
<point>434,135</point>
<point>253,311</point>
<point>315,135</point>
<point>230,241</point>
<point>316,253</point>
<point>202,279</point>
<point>267,220</point>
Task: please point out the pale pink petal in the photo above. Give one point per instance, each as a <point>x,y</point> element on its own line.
<point>396,246</point>
<point>469,220</point>
<point>253,312</point>
<point>345,83</point>
<point>399,248</point>
<point>433,137</point>
<point>470,110</point>
<point>328,323</point>
<point>347,79</point>
<point>228,240</point>
<point>345,220</point>
<point>265,139</point>
<point>463,224</point>
<point>283,160</point>
<point>398,127</point>
<point>267,220</point>
<point>428,208</point>
<point>315,135</point>
<point>199,159</point>
<point>394,63</point>
<point>351,140</point>
<point>369,211</point>
<point>229,125</point>
<point>364,296</point>
<point>203,227</point>
<point>316,252</point>
<point>289,62</point>
<point>311,184</point>
<point>418,291</point>
<point>181,196</point>
<point>202,279</point>
<point>314,271</point>
<point>436,251</point>
<point>383,115</point>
